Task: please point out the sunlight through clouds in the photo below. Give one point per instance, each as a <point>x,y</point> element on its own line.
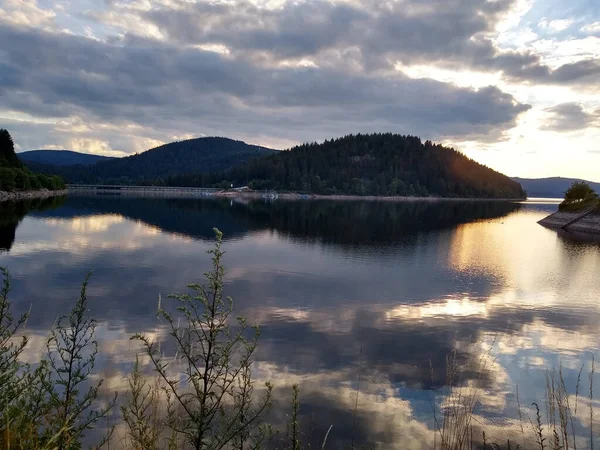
<point>120,77</point>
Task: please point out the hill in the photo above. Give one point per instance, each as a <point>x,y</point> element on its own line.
<point>202,155</point>
<point>59,157</point>
<point>377,164</point>
<point>550,187</point>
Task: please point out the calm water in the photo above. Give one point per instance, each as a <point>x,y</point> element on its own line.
<point>342,290</point>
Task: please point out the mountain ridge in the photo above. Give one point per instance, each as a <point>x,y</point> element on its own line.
<point>60,157</point>
<point>550,187</point>
<point>204,154</point>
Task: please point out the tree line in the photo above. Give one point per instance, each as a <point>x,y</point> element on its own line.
<point>15,176</point>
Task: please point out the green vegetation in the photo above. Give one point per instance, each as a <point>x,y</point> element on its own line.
<point>203,155</point>
<point>579,196</point>
<point>14,176</point>
<point>376,164</point>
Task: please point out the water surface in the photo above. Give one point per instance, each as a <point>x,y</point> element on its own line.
<point>377,291</point>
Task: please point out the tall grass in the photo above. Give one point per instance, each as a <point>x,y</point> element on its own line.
<point>555,422</point>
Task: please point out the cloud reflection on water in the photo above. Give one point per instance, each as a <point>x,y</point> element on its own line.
<point>384,287</point>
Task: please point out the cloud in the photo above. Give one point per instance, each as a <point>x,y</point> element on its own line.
<point>123,74</point>
<point>556,25</point>
<point>592,28</point>
<point>173,89</point>
<point>571,117</point>
<point>27,13</point>
<point>366,35</point>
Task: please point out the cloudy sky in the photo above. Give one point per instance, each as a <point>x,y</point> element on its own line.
<point>515,84</point>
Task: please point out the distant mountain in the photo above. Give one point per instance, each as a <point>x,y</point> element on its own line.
<point>375,164</point>
<point>59,157</point>
<point>202,155</point>
<point>550,187</point>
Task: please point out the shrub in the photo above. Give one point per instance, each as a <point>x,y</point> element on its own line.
<point>46,407</point>
<point>217,403</point>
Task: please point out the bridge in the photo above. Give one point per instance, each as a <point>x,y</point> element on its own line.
<point>120,188</point>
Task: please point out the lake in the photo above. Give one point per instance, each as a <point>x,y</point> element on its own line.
<point>352,297</point>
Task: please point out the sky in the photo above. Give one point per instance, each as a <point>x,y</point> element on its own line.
<point>513,84</point>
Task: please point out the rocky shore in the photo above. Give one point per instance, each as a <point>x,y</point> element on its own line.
<point>578,222</point>
<point>26,195</point>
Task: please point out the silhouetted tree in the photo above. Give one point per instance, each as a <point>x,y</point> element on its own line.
<point>8,156</point>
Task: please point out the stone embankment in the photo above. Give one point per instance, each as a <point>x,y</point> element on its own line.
<point>587,221</point>
<point>27,195</point>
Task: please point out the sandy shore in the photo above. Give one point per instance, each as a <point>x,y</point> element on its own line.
<point>27,195</point>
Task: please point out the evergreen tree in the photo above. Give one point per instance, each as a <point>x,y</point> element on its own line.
<point>8,156</point>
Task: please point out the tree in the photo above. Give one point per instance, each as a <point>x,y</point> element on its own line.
<point>579,196</point>
<point>8,156</point>
<point>579,190</point>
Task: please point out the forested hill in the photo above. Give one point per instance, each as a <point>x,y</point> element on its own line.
<point>551,187</point>
<point>377,164</point>
<point>202,155</point>
<point>59,157</point>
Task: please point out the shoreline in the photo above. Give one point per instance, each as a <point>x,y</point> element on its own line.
<point>343,197</point>
<point>253,195</point>
<point>30,195</point>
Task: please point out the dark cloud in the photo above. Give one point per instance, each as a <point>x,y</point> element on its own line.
<point>372,34</point>
<point>172,88</point>
<point>585,73</point>
<point>571,117</point>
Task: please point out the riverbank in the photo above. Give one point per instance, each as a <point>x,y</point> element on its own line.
<point>28,195</point>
